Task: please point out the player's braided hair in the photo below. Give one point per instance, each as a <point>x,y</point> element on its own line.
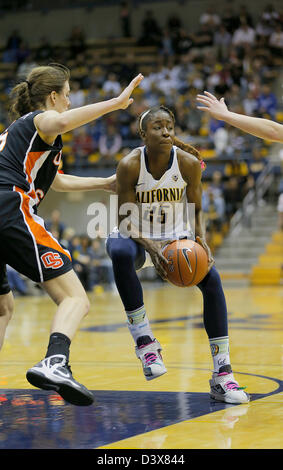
<point>145,116</point>
<point>31,94</point>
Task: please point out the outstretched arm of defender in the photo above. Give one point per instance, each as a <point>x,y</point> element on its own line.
<point>259,127</point>
<point>70,183</point>
<point>52,123</point>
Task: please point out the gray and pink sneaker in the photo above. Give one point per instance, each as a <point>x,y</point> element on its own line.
<point>223,387</point>
<point>149,353</point>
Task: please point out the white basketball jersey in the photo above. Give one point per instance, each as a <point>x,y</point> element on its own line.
<point>163,211</point>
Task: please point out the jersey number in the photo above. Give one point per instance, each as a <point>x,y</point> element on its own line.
<point>3,138</point>
<point>161,215</point>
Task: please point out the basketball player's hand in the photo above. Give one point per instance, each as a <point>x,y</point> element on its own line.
<point>124,99</point>
<point>155,249</point>
<point>203,243</point>
<point>110,184</point>
<point>216,108</point>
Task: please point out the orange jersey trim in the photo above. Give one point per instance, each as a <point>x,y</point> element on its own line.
<point>41,235</point>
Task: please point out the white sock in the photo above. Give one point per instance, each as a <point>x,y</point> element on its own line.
<point>138,324</point>
<point>220,352</point>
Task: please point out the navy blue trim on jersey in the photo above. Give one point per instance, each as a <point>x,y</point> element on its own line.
<point>170,163</point>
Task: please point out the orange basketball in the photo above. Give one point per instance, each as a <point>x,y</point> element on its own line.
<point>188,263</point>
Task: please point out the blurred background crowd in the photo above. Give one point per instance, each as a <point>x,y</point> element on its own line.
<point>234,53</point>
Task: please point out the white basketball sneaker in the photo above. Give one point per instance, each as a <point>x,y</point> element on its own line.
<point>150,357</point>
<point>54,373</point>
<point>224,387</point>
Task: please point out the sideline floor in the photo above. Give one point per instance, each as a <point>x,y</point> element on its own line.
<point>172,412</point>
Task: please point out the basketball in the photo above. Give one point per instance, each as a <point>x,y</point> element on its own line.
<point>188,263</point>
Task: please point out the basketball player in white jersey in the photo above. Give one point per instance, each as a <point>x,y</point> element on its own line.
<point>259,127</point>
<point>155,178</point>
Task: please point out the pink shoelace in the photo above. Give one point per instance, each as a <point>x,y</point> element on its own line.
<point>232,385</point>
<point>150,358</point>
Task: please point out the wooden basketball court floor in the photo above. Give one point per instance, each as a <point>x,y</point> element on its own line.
<point>171,412</point>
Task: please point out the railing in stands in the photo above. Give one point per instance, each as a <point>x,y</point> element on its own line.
<point>242,217</point>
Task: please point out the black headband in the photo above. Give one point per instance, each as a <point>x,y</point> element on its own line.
<point>28,83</point>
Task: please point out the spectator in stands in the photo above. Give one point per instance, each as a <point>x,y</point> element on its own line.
<point>217,184</point>
<point>132,139</point>
<point>221,140</point>
<point>23,53</point>
<point>44,52</point>
<point>257,163</point>
<point>237,167</point>
<point>16,281</point>
<point>244,17</point>
<point>183,43</point>
<point>14,40</point>
<point>266,102</point>
<point>166,48</point>
<point>203,38</point>
<point>110,144</point>
<point>222,40</point>
<point>81,260</point>
<point>26,65</point>
<point>127,68</point>
<point>83,145</point>
<point>229,19</point>
<point>174,24</point>
<point>77,43</point>
<point>80,70</point>
<point>263,31</point>
<point>210,18</point>
<point>151,31</point>
<point>214,209</point>
<point>232,196</point>
<point>111,86</point>
<point>67,237</point>
<point>55,223</point>
<point>249,103</point>
<point>167,83</point>
<point>270,15</point>
<point>77,96</point>
<point>125,18</point>
<point>276,40</point>
<point>244,36</point>
<point>101,270</point>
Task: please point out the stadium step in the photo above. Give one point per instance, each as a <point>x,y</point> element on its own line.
<point>256,252</point>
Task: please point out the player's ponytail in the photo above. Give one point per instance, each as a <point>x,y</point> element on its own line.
<point>31,94</point>
<point>21,103</point>
<point>190,149</point>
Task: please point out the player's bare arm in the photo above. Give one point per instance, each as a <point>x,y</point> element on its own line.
<point>259,127</point>
<point>127,178</point>
<point>191,172</point>
<point>51,122</point>
<point>70,183</point>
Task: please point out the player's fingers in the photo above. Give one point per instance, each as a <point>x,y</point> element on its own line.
<point>201,97</point>
<point>199,241</point>
<point>203,108</point>
<point>210,95</point>
<point>205,101</point>
<point>163,259</point>
<point>136,81</point>
<point>159,268</point>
